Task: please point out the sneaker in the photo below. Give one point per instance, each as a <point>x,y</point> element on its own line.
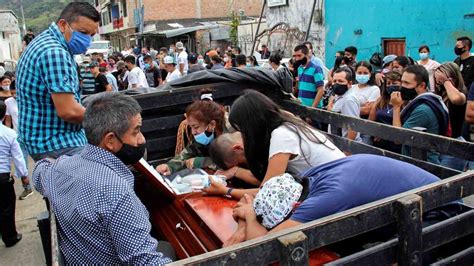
<point>26,193</point>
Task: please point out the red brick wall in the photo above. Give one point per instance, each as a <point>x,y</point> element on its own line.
<point>187,9</point>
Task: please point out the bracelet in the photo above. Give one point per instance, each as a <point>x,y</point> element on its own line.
<point>228,194</point>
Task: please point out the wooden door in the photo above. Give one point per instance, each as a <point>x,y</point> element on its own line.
<point>394,46</point>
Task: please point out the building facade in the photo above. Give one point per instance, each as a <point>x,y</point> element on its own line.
<point>397,27</point>
<point>10,38</point>
<point>165,21</point>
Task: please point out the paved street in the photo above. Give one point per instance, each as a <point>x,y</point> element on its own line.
<point>29,250</point>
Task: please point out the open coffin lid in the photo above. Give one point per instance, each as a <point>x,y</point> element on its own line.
<point>213,213</point>
<point>209,215</point>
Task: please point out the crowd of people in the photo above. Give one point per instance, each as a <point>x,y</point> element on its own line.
<point>286,169</point>
<point>147,67</point>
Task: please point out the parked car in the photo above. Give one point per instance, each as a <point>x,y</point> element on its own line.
<point>102,47</point>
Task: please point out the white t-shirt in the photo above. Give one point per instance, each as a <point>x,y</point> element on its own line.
<point>136,76</point>
<point>183,59</point>
<point>365,95</point>
<point>173,75</point>
<point>285,140</point>
<point>12,110</point>
<point>431,66</point>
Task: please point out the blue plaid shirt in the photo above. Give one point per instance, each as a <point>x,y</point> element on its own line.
<point>47,66</point>
<point>100,219</point>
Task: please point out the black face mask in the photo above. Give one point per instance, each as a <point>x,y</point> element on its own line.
<point>392,88</point>
<point>129,154</point>
<point>347,59</point>
<point>339,89</point>
<point>458,50</point>
<point>301,62</point>
<point>407,94</point>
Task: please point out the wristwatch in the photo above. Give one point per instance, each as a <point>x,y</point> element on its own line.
<point>228,193</point>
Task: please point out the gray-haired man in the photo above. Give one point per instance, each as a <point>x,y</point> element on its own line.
<point>101,220</point>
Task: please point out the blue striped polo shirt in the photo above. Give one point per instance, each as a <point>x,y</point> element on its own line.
<point>310,78</point>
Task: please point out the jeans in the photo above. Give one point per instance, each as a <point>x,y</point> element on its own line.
<point>453,162</point>
<point>57,153</point>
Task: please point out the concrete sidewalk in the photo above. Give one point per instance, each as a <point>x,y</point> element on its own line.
<point>29,251</point>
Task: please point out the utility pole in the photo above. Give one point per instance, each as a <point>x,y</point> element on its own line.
<point>23,17</point>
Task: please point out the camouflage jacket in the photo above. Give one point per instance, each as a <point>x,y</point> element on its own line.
<point>199,152</point>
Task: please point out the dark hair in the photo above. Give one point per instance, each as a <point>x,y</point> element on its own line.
<point>424,47</point>
<point>102,69</point>
<point>302,48</point>
<point>4,77</point>
<point>216,58</point>
<point>3,109</point>
<point>403,61</point>
<point>113,58</point>
<point>146,57</point>
<point>340,52</point>
<point>337,62</point>
<point>240,59</point>
<point>347,71</point>
<point>238,49</point>
<point>206,111</point>
<point>256,116</point>
<point>420,72</point>
<point>130,59</point>
<point>192,58</point>
<point>385,97</point>
<point>164,49</point>
<point>75,10</point>
<point>310,45</point>
<point>275,57</point>
<point>367,65</point>
<point>351,49</point>
<point>253,59</point>
<point>466,41</point>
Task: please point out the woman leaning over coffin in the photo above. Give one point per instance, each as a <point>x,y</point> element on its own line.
<point>275,141</point>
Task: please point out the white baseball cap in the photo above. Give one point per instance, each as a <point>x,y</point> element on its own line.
<point>168,60</point>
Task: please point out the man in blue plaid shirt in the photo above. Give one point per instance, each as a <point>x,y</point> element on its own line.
<point>100,218</point>
<point>50,109</point>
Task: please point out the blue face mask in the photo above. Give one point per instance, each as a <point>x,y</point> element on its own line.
<point>79,42</point>
<point>200,61</point>
<point>249,65</point>
<point>423,56</point>
<point>205,138</point>
<point>147,66</point>
<point>362,79</point>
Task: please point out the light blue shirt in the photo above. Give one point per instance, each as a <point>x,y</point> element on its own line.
<point>10,149</point>
<point>317,62</point>
<point>112,81</point>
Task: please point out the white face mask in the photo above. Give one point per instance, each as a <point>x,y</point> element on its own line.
<point>6,87</point>
<point>226,59</point>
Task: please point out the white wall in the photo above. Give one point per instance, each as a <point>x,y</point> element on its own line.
<point>297,14</point>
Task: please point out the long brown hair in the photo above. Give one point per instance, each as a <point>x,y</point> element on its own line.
<point>452,71</point>
<point>384,100</point>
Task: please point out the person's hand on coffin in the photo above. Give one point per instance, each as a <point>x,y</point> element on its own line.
<point>238,236</point>
<point>229,173</point>
<point>245,211</point>
<point>163,169</point>
<point>215,188</point>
